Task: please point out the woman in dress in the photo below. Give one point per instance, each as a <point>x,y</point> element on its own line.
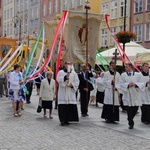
<point>47,93</point>
<point>16,94</point>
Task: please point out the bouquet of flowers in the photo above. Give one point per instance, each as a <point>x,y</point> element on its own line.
<point>125,36</point>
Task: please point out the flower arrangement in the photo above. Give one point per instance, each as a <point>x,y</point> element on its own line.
<point>87,6</point>
<point>125,36</point>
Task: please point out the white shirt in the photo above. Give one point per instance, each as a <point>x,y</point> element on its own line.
<point>14,81</point>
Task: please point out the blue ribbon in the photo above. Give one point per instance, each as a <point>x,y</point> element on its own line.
<point>86,79</point>
<point>24,88</point>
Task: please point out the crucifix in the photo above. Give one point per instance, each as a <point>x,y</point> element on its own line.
<point>113,85</point>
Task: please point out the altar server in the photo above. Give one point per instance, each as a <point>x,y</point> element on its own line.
<point>67,104</point>
<point>145,95</point>
<point>131,85</point>
<point>111,105</point>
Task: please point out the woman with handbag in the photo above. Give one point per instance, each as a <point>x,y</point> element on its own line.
<point>47,93</point>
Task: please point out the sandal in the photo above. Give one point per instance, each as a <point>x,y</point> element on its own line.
<point>16,115</point>
<point>19,114</point>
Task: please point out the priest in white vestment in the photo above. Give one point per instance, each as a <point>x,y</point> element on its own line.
<point>68,85</point>
<point>145,95</point>
<point>131,84</point>
<point>111,106</point>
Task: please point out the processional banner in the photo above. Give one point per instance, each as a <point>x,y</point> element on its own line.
<point>77,36</point>
<point>50,31</point>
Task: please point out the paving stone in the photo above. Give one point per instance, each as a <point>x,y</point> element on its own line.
<point>33,132</point>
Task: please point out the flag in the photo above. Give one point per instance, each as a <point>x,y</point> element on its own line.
<point>77,36</point>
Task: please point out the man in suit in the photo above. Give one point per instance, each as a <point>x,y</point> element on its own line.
<point>85,86</point>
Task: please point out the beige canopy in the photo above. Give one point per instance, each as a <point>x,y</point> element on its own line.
<point>143,57</point>
<point>131,50</point>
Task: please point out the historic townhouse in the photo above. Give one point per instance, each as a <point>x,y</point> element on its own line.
<point>115,10</point>
<point>140,24</point>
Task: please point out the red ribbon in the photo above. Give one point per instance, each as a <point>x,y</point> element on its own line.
<point>52,47</point>
<point>119,48</point>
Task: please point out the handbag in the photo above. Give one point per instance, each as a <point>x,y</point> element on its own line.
<point>39,108</point>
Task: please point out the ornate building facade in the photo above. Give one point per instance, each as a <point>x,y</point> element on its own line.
<point>115,10</point>
<point>140,24</point>
<point>1,19</point>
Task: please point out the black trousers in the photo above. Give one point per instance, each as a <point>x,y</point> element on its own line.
<point>29,87</point>
<point>131,112</point>
<point>145,116</point>
<point>121,103</point>
<point>84,99</point>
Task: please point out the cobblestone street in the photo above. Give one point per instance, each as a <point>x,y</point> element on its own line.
<point>33,132</point>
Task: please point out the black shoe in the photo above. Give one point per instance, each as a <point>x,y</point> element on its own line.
<point>62,123</point>
<point>83,115</point>
<point>108,121</point>
<point>147,123</point>
<point>87,114</point>
<point>130,127</point>
<point>28,102</point>
<point>112,121</point>
<point>67,123</point>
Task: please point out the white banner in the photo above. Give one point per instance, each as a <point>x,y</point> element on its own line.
<point>77,36</point>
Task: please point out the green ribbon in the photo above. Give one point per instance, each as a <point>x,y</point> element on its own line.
<point>32,52</point>
<point>99,56</point>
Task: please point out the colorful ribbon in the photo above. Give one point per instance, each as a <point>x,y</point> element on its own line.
<point>119,48</point>
<point>52,47</point>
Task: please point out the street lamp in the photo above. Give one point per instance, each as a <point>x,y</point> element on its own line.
<point>17,20</point>
<point>124,30</point>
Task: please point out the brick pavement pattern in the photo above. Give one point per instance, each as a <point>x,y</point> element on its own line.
<point>33,132</point>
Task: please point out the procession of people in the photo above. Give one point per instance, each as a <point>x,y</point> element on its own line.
<point>132,86</point>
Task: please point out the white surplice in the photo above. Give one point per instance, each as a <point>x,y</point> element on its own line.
<point>145,95</point>
<point>132,95</point>
<point>100,84</point>
<point>108,98</point>
<point>66,95</point>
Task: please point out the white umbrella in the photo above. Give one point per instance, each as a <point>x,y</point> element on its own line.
<point>131,50</point>
<point>143,57</point>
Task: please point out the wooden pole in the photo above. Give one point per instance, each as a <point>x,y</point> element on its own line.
<point>86,37</point>
<point>87,8</point>
<point>113,85</point>
<point>125,7</point>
